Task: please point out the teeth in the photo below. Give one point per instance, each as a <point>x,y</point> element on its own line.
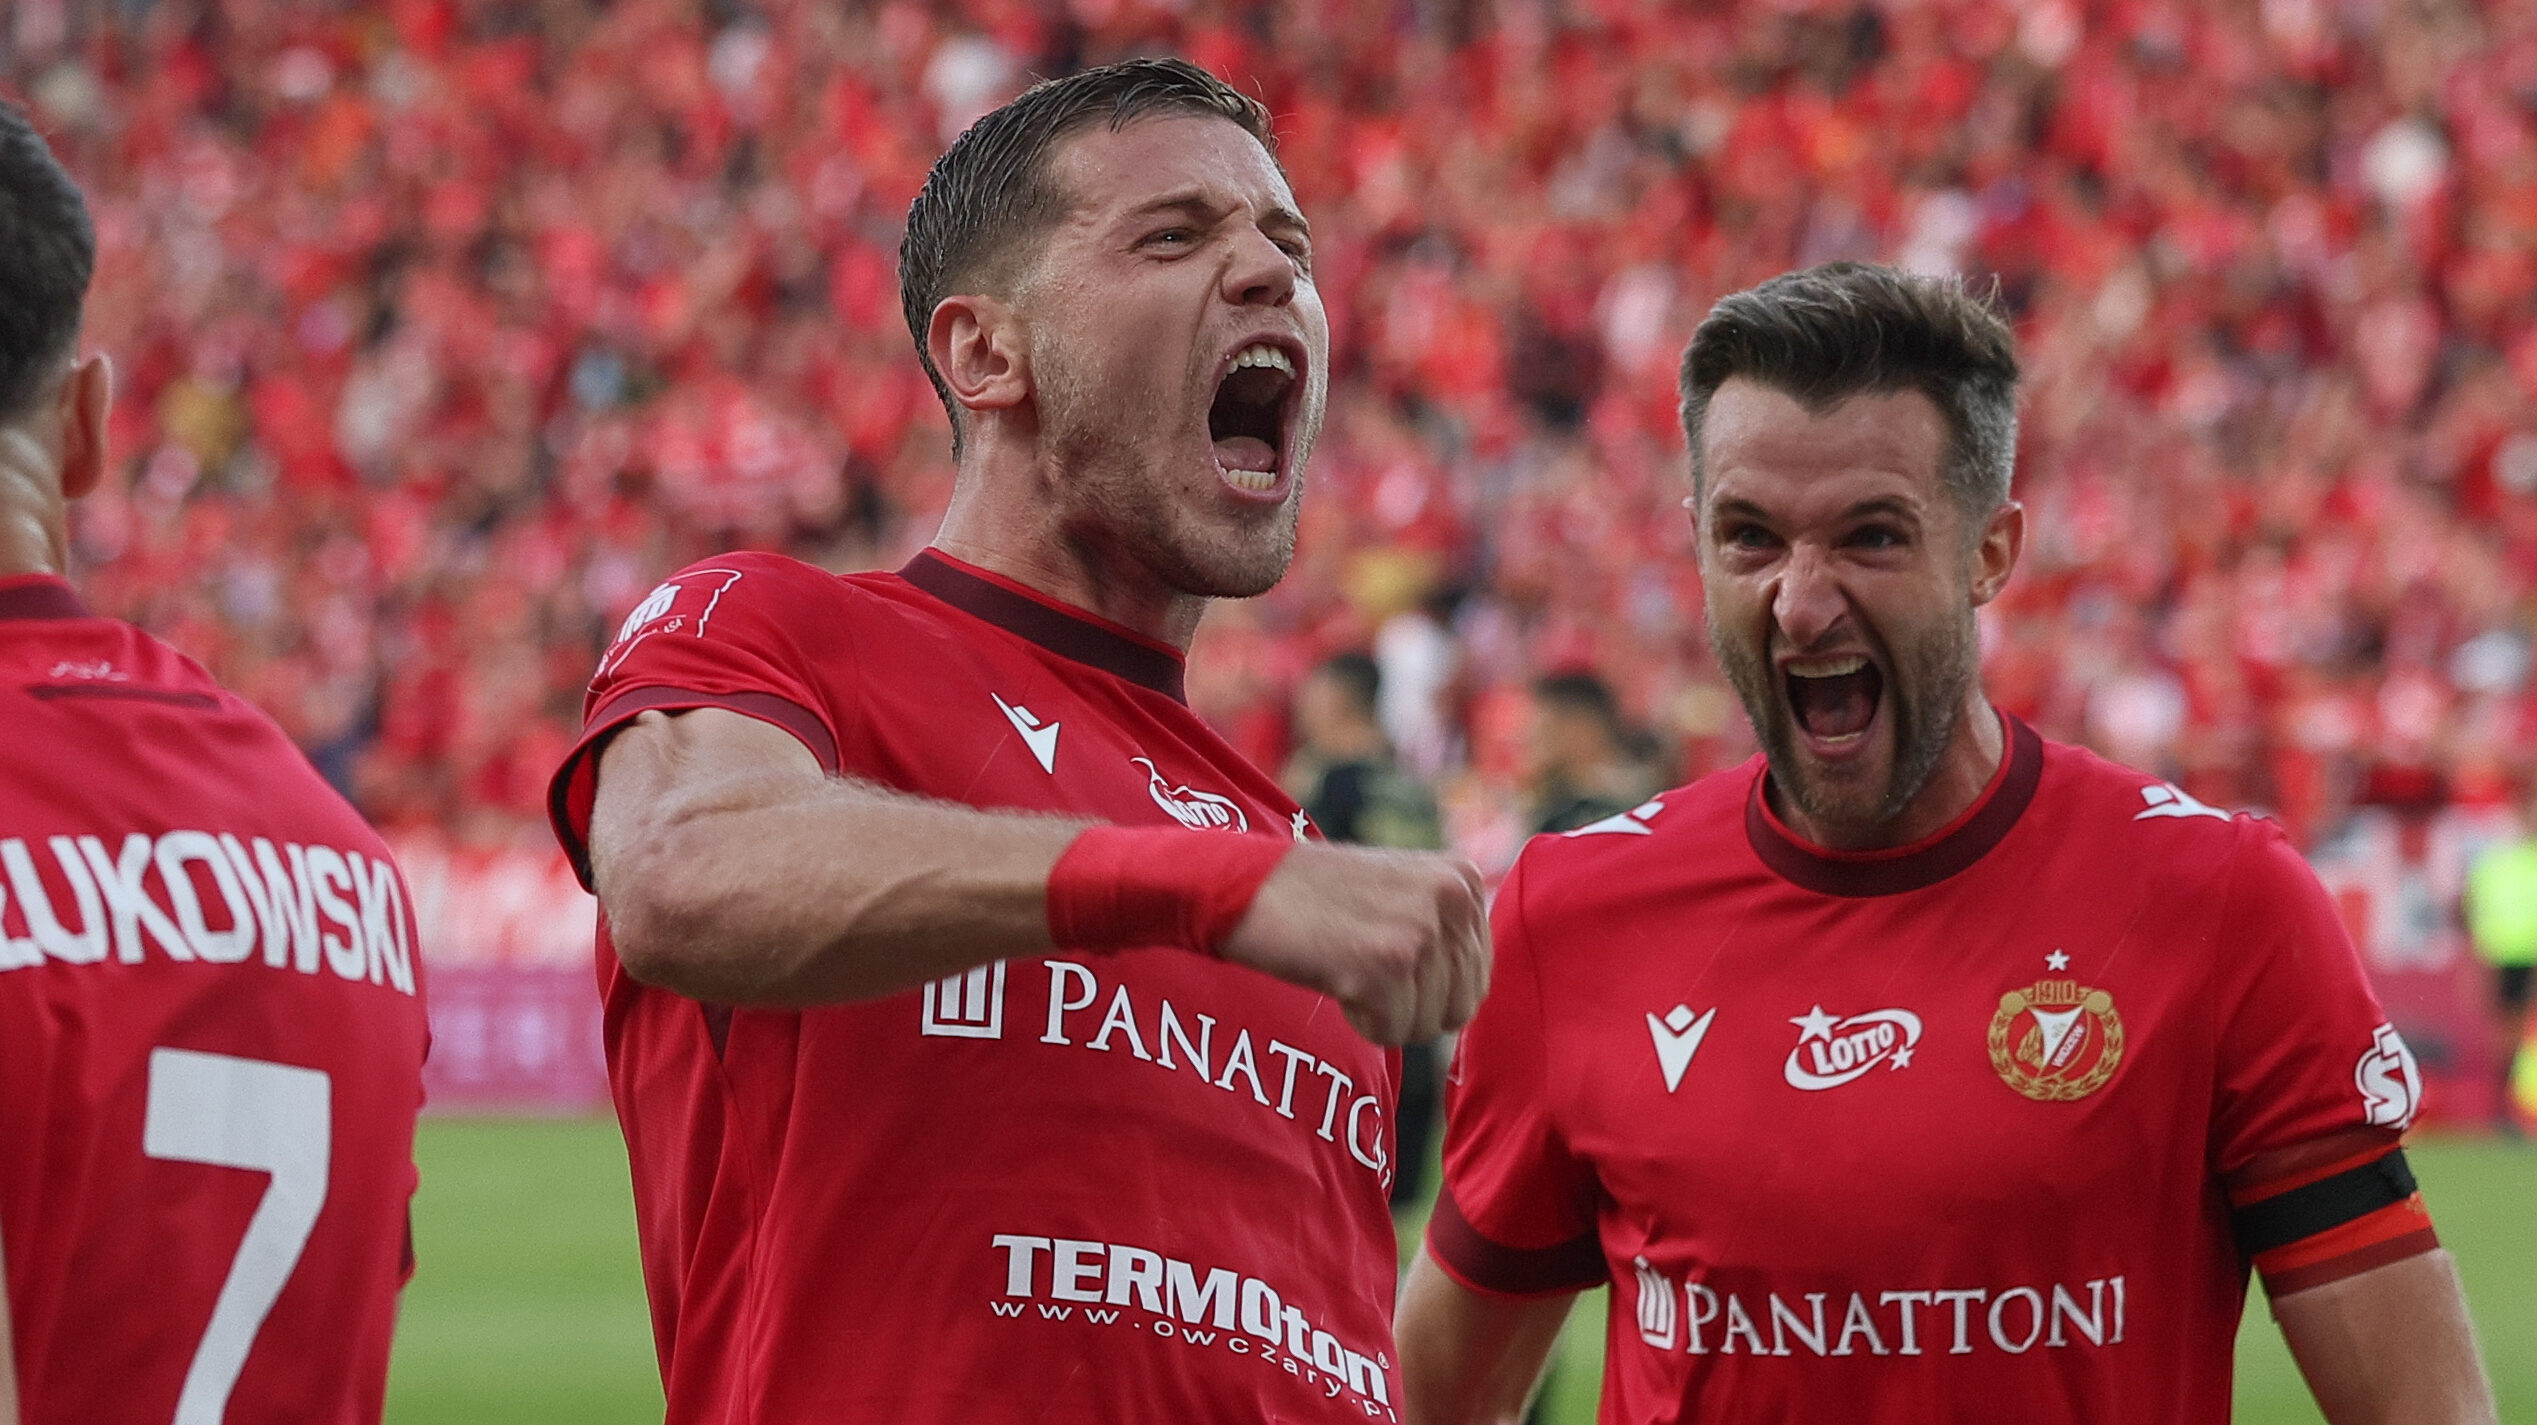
<point>1263,354</point>
<point>1257,481</point>
<point>1825,667</point>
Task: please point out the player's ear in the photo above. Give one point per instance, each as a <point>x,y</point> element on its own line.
<point>1995,556</point>
<point>86,398</point>
<point>979,348</point>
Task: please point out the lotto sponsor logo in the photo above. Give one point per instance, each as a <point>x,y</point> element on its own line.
<point>1958,1321</point>
<point>1111,1284</point>
<point>200,898</point>
<point>1197,810</point>
<point>1831,1052</point>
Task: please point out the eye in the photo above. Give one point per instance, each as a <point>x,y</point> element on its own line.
<point>1878,536</point>
<point>1743,534</point>
<point>1170,239</point>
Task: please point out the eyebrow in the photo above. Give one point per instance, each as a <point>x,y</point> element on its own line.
<point>1890,505</point>
<point>1196,203</point>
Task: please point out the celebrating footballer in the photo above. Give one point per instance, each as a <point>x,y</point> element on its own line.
<point>992,1042</point>
<point>1920,1069</point>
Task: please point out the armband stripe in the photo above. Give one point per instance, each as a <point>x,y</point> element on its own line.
<point>2323,1205</point>
<point>1484,1265</point>
<point>2390,1234</point>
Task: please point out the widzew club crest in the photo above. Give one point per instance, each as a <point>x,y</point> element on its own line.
<point>2056,1040</point>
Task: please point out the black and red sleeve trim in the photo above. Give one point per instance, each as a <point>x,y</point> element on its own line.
<point>576,782</point>
<point>1485,1265</point>
<point>2336,1220</point>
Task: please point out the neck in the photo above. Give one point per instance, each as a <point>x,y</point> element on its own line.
<point>1005,517</point>
<point>34,533</point>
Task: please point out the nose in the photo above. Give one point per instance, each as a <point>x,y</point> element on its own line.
<point>1259,272</point>
<point>1807,603</point>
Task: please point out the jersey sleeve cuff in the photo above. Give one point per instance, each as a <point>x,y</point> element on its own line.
<point>2333,1219</point>
<point>576,783</point>
<point>1499,1270</point>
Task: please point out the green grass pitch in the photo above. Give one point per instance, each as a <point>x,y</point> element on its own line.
<point>527,1307</point>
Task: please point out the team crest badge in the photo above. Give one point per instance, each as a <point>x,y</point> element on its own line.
<point>2056,1040</point>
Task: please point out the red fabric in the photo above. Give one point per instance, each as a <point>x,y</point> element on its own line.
<point>1124,888</point>
<point>826,1196</point>
<point>1890,1182</point>
<point>189,1041</point>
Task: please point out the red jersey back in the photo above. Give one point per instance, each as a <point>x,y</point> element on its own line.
<point>211,1041</point>
<point>1945,1133</point>
<point>1072,1188</point>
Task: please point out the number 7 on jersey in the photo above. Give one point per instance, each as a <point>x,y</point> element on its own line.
<point>229,1112</point>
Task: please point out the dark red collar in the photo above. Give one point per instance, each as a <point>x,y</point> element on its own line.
<point>1904,868</point>
<point>1060,628</point>
<point>40,596</point>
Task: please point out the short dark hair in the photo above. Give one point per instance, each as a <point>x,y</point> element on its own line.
<point>48,251</point>
<point>1358,676</point>
<point>1584,693</point>
<point>991,189</point>
<point>1847,328</point>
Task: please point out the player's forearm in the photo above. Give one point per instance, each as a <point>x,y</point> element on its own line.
<point>1467,1358</point>
<point>8,1352</point>
<point>2390,1346</point>
<point>772,891</point>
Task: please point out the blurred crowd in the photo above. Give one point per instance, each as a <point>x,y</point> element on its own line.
<point>444,328</point>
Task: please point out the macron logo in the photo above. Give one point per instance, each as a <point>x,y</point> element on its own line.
<point>1041,740</point>
<point>1678,1037</point>
<point>1629,823</point>
<point>2169,800</point>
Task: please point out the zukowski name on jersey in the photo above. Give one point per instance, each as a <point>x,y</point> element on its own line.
<point>1141,1187</point>
<point>1948,1133</point>
<point>211,1033</point>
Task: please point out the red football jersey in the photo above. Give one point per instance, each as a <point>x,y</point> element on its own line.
<point>1141,1187</point>
<point>211,1042</point>
<point>1944,1133</point>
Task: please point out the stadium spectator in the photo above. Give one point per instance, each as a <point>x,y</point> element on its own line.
<point>2501,916</point>
<point>211,1014</point>
<point>902,1046</point>
<point>1579,765</point>
<point>447,322</point>
<point>1994,953</point>
<point>1346,777</point>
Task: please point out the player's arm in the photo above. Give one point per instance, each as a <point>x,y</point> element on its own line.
<point>733,869</point>
<point>1472,1357</point>
<point>2391,1344</point>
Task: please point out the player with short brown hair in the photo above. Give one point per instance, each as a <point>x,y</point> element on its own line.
<point>992,1042</point>
<point>1919,1069</point>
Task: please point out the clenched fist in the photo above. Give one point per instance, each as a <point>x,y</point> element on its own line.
<point>1398,938</point>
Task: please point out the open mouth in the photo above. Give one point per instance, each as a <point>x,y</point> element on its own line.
<point>1247,421</point>
<point>1834,699</point>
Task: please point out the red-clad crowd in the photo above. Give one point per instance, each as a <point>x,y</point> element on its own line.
<point>445,327</point>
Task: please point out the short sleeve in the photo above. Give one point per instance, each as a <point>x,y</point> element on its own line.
<point>716,634</point>
<point>2305,1052</point>
<point>2314,1087</point>
<point>1516,1212</point>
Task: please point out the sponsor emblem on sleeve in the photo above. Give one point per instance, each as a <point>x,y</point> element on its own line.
<point>2389,1080</point>
<point>2056,1040</point>
<point>683,606</point>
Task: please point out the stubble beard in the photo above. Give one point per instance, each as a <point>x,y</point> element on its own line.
<point>1924,703</point>
<point>1134,508</point>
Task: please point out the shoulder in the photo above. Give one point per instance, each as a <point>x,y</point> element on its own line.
<point>1672,838</point>
<point>2136,814</point>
